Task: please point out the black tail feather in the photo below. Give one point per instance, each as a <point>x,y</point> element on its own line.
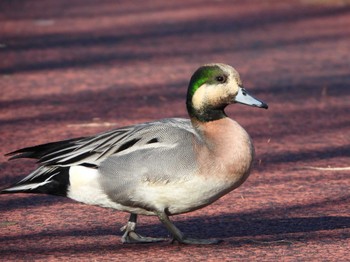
<point>53,181</point>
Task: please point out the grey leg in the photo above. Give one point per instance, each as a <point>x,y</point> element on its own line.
<point>130,236</point>
<point>179,236</point>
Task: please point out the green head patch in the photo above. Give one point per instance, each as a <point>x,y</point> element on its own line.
<point>205,74</point>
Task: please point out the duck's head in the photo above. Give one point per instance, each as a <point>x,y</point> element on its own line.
<point>214,86</point>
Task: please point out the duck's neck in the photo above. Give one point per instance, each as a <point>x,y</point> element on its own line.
<point>221,133</point>
<point>206,114</point>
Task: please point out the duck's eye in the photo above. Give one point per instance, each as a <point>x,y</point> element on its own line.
<point>221,79</point>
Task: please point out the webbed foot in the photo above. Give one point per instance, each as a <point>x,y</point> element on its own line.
<point>131,237</point>
<point>179,236</point>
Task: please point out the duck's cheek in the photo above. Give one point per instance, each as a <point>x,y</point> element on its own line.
<point>223,100</point>
<point>214,97</point>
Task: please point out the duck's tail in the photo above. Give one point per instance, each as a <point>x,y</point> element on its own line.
<point>45,180</point>
<point>48,178</point>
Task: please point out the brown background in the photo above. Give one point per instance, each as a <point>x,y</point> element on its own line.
<point>74,68</point>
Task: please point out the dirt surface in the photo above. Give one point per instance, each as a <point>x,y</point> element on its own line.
<point>75,68</point>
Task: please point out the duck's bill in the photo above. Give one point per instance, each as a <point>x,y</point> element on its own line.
<point>244,98</point>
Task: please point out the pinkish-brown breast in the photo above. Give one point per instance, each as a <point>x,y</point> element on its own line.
<point>225,151</point>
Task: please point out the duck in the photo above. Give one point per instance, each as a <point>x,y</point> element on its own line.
<point>162,168</point>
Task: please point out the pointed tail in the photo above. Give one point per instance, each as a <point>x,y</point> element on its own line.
<point>45,180</point>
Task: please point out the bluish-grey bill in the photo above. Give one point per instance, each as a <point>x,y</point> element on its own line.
<point>244,98</point>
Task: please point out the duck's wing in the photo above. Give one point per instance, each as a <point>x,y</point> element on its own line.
<point>91,151</point>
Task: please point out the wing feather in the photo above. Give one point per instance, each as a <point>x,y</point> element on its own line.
<point>94,149</point>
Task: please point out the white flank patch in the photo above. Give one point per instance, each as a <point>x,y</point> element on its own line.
<point>84,186</point>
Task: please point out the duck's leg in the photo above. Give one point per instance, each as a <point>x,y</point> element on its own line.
<point>130,236</point>
<point>179,236</point>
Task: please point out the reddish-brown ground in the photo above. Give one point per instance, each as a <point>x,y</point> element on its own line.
<point>73,68</point>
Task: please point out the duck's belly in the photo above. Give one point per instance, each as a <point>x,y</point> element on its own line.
<point>183,196</point>
<point>146,198</point>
